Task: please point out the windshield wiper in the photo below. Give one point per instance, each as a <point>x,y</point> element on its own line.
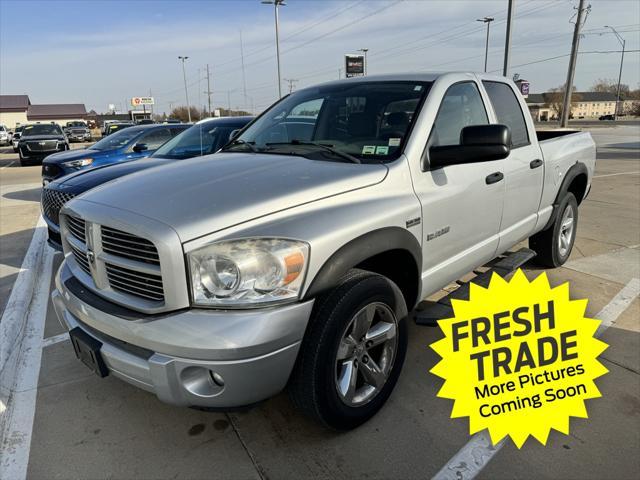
<point>237,141</point>
<point>324,146</point>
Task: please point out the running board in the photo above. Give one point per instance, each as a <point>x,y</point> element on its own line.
<point>434,311</point>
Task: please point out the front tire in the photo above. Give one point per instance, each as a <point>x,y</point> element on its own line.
<point>353,351</point>
<point>553,246</point>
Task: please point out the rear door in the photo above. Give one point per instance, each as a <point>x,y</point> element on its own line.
<point>460,211</point>
<point>523,168</point>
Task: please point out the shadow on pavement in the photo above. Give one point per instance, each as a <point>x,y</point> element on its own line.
<point>31,195</point>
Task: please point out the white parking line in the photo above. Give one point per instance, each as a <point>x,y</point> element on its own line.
<point>478,451</point>
<point>615,174</point>
<point>17,419</point>
<point>55,339</point>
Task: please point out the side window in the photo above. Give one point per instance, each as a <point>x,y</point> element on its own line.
<point>155,138</point>
<point>508,111</point>
<point>461,106</point>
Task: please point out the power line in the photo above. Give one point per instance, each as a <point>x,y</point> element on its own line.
<point>326,34</point>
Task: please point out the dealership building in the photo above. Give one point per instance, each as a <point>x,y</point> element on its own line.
<point>16,110</point>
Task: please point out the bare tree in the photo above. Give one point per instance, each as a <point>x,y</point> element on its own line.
<point>611,86</point>
<point>181,114</point>
<point>553,99</point>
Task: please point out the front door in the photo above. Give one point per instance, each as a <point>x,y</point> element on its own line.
<point>460,211</point>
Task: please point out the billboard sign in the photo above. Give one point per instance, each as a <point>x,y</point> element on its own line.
<point>354,65</point>
<point>141,101</point>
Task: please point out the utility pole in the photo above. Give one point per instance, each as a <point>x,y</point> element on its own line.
<point>244,80</point>
<point>292,83</point>
<point>507,40</point>
<point>488,21</point>
<point>366,67</point>
<point>622,42</point>
<point>276,4</point>
<point>208,92</point>
<point>568,88</point>
<point>186,92</point>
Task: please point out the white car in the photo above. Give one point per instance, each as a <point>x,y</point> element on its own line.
<point>5,138</point>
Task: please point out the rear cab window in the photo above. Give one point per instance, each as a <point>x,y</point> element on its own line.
<point>508,111</point>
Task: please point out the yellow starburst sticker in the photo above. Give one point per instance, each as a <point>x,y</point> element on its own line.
<point>519,358</point>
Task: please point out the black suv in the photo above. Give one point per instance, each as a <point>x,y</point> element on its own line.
<point>39,140</point>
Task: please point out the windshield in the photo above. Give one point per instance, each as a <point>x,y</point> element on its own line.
<point>45,129</point>
<point>76,124</point>
<point>196,141</point>
<point>367,121</point>
<point>116,140</point>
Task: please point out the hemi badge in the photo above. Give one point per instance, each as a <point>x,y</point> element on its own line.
<point>413,222</point>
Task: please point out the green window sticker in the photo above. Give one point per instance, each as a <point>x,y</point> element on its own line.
<point>368,149</point>
<point>382,150</point>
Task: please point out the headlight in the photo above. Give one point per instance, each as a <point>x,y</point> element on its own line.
<point>78,163</point>
<point>247,273</point>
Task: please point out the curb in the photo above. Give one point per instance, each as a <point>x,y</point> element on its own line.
<point>14,317</point>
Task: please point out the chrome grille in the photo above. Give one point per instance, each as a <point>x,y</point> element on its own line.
<point>52,202</point>
<point>135,283</point>
<point>119,263</point>
<point>81,260</point>
<point>122,244</point>
<point>77,228</point>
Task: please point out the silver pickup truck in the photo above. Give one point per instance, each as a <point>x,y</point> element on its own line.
<point>293,258</point>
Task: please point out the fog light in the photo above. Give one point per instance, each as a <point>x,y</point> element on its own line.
<point>201,382</point>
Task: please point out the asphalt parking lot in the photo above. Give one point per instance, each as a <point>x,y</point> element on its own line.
<point>86,427</point>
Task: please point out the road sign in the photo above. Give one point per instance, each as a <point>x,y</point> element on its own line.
<point>138,101</point>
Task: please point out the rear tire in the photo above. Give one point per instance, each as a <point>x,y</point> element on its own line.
<point>353,351</point>
<point>553,246</point>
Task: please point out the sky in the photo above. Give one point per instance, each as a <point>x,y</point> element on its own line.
<point>105,52</point>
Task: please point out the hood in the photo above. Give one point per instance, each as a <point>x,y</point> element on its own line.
<point>35,138</point>
<point>68,155</point>
<point>203,195</point>
<point>84,180</point>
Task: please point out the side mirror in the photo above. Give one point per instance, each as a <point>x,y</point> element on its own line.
<point>140,147</point>
<point>234,133</point>
<point>478,143</point>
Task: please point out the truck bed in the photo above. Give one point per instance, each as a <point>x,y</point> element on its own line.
<point>544,135</point>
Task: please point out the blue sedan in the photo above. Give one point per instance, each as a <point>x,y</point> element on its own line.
<point>128,144</point>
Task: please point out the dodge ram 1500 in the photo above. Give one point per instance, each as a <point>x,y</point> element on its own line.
<point>294,258</point>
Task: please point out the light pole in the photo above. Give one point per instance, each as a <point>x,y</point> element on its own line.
<point>488,21</point>
<point>276,4</point>
<point>186,92</point>
<point>622,42</point>
<point>366,67</point>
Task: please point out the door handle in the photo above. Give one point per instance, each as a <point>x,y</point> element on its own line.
<point>535,163</point>
<point>494,178</point>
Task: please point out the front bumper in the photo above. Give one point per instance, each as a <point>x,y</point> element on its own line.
<point>208,358</point>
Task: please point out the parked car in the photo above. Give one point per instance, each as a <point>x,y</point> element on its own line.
<point>114,127</point>
<point>40,140</point>
<point>128,144</point>
<point>206,137</point>
<point>5,138</point>
<point>77,131</point>
<point>15,137</point>
<point>606,117</point>
<point>295,260</point>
